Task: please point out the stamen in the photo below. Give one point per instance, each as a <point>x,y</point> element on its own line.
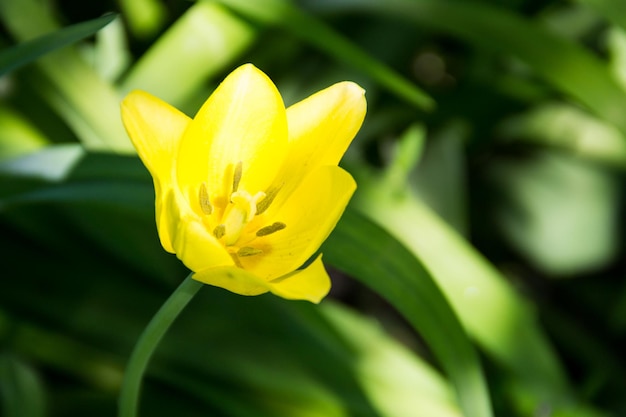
<point>262,205</point>
<point>237,176</point>
<point>248,251</point>
<point>203,197</point>
<point>219,231</point>
<point>268,230</point>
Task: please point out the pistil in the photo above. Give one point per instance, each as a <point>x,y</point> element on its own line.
<point>241,210</point>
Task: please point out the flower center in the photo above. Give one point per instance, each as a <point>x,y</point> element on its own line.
<point>238,211</point>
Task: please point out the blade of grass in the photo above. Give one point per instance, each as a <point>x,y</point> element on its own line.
<point>29,51</point>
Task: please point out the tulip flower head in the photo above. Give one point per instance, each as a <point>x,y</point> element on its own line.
<point>247,190</point>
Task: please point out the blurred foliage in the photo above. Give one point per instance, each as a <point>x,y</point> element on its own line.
<point>479,266</point>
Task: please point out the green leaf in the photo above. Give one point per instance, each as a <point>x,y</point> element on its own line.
<point>394,378</point>
<point>365,251</point>
<point>21,389</point>
<point>29,51</point>
<point>488,307</point>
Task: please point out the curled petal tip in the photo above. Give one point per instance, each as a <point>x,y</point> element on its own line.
<point>349,89</point>
<point>353,88</point>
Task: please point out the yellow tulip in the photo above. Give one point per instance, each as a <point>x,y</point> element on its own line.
<point>247,190</point>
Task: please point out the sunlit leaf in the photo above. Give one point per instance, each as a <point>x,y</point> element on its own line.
<point>493,314</point>
<point>365,251</point>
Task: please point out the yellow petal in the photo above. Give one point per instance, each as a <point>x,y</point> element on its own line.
<point>162,214</point>
<point>322,126</point>
<point>233,279</point>
<point>193,243</point>
<point>155,128</point>
<point>311,283</point>
<point>309,214</point>
<point>243,121</point>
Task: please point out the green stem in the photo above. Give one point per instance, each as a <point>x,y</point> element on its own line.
<point>149,340</point>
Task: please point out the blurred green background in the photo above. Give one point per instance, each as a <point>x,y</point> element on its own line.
<point>478,270</point>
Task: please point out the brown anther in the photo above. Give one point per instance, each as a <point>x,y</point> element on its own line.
<point>219,231</point>
<point>269,198</point>
<point>248,251</point>
<point>203,197</point>
<point>237,175</point>
<point>268,230</point>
